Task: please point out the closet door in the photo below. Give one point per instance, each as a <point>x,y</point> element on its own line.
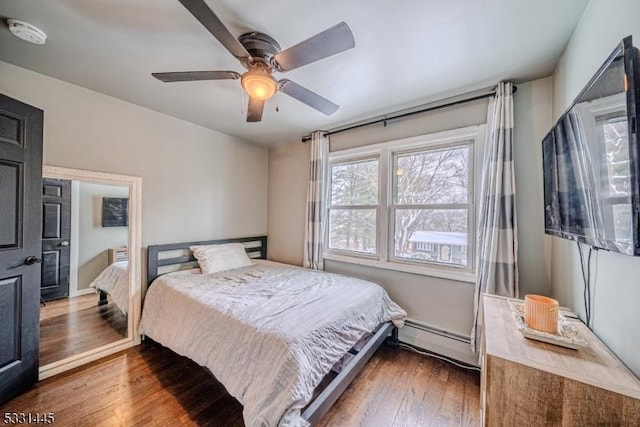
<point>20,244</point>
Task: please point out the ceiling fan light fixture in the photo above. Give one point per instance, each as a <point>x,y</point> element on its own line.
<point>259,84</point>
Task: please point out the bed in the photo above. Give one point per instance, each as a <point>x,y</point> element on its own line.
<point>113,281</point>
<point>269,332</point>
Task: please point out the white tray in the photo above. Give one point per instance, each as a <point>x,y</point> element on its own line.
<point>568,335</point>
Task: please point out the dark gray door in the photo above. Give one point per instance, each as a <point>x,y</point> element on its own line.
<point>56,234</point>
<point>20,247</point>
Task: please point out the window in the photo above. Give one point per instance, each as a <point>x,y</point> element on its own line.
<point>406,205</point>
<point>614,180</point>
<point>431,204</point>
<point>604,122</point>
<point>353,206</point>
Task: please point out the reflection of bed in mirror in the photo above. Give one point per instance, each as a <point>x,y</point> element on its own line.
<point>283,340</point>
<point>113,281</point>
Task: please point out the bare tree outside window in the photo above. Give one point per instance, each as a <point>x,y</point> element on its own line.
<point>431,204</point>
<point>353,206</point>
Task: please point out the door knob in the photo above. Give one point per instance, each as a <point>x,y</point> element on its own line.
<point>65,243</point>
<point>30,260</point>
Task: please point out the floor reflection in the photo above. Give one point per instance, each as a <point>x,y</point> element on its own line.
<point>71,326</point>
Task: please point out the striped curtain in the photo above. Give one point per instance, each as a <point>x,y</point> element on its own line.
<point>314,232</point>
<point>497,243</point>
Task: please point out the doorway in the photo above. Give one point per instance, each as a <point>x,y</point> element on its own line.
<point>20,245</point>
<point>56,237</point>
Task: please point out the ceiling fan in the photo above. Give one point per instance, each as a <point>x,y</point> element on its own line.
<point>260,54</point>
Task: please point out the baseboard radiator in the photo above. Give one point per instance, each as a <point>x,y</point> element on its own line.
<point>446,343</point>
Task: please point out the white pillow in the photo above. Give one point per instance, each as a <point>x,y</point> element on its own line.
<point>214,258</point>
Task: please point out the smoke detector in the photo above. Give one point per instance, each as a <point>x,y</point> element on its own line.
<point>26,31</point>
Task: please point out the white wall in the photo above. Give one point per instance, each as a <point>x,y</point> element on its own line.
<point>616,310</point>
<point>288,181</point>
<point>196,183</point>
<point>93,239</point>
<point>441,303</point>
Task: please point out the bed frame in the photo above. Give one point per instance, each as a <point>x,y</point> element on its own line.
<point>102,297</point>
<point>176,256</point>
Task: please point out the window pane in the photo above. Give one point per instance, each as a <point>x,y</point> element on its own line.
<point>433,177</point>
<point>353,230</point>
<point>434,235</point>
<point>616,138</point>
<point>354,183</point>
<point>622,223</point>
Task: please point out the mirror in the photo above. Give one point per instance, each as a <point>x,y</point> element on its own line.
<point>91,275</point>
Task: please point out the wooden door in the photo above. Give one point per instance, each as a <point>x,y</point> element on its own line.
<point>20,247</point>
<point>56,235</point>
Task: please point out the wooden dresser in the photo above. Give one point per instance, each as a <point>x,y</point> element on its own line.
<point>531,383</point>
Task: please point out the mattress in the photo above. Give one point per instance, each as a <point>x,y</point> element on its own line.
<point>114,280</point>
<point>269,333</point>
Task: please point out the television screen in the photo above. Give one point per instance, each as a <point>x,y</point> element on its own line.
<point>590,160</point>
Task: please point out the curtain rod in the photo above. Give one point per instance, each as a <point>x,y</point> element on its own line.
<point>411,113</point>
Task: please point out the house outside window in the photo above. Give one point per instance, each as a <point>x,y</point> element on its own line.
<point>406,205</point>
<point>443,246</point>
<point>422,246</point>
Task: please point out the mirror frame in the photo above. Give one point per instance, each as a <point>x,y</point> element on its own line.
<point>134,184</point>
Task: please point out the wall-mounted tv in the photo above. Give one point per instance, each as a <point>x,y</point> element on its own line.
<point>115,211</point>
<point>590,160</point>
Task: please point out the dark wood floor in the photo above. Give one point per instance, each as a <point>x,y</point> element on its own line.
<point>149,385</point>
<point>74,325</point>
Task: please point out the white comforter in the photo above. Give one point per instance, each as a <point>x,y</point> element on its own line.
<point>114,280</point>
<point>269,332</point>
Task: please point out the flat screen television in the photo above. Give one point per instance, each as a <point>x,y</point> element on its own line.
<point>591,160</point>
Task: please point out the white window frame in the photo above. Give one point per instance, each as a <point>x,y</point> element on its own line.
<point>330,206</point>
<point>472,135</point>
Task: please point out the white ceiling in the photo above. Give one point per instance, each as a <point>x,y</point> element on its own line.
<point>407,52</point>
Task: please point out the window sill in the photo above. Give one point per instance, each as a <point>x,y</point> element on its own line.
<point>444,273</point>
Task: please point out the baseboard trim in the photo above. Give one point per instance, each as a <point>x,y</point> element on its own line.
<point>439,341</point>
<point>80,292</point>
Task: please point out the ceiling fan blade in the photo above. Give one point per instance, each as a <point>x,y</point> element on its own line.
<point>329,42</point>
<point>254,111</point>
<point>189,76</point>
<point>305,96</point>
<point>211,22</point>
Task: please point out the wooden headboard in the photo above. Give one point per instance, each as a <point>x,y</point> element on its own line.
<point>163,259</point>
